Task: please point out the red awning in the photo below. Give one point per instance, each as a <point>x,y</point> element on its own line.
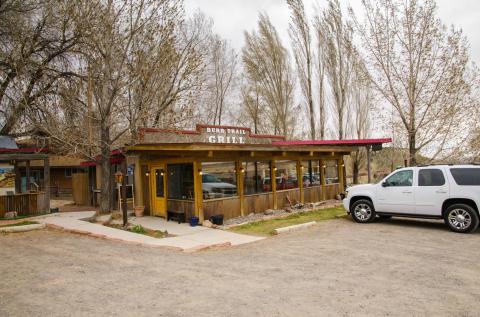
<point>358,142</point>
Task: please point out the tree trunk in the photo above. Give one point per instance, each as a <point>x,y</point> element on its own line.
<point>312,119</point>
<point>412,149</point>
<point>106,190</point>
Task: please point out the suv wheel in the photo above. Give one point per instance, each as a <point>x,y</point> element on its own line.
<point>461,218</point>
<point>362,211</point>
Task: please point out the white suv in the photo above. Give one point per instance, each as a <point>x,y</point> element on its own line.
<point>449,192</point>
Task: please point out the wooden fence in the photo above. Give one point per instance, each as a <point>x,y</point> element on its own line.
<point>24,204</point>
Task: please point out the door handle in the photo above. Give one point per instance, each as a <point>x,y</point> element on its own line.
<point>440,191</point>
<point>407,192</point>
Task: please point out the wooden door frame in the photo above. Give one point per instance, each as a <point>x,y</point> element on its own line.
<point>153,192</point>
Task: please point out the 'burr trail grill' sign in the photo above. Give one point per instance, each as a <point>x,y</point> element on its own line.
<point>207,134</point>
<point>226,135</point>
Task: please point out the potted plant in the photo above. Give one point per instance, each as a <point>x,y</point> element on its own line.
<point>139,211</point>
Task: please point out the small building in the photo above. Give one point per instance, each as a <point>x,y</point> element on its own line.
<point>16,192</point>
<point>231,171</point>
<point>62,169</point>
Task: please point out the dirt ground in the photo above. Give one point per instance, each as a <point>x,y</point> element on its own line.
<point>338,268</point>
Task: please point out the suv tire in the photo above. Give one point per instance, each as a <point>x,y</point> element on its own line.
<point>362,211</point>
<point>461,218</point>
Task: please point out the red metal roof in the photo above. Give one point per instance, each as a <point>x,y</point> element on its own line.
<point>334,142</point>
<point>24,150</point>
<point>116,157</point>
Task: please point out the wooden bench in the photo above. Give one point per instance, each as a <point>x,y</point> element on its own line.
<point>176,215</point>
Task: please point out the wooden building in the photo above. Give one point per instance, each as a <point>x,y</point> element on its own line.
<point>229,170</point>
<point>25,200</point>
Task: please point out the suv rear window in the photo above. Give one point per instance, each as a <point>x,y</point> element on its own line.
<point>466,176</point>
<point>431,177</point>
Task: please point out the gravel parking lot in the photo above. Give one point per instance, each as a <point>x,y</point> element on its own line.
<point>391,268</point>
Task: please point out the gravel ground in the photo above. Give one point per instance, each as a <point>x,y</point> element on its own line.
<point>340,268</point>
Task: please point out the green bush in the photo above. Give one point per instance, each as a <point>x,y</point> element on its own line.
<point>138,229</point>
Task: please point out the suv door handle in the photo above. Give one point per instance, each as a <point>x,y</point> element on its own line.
<point>441,191</point>
<point>407,192</point>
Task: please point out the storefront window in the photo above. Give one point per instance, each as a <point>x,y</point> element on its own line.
<point>180,181</point>
<point>256,177</point>
<point>286,175</point>
<point>311,173</point>
<point>219,180</point>
<point>331,172</point>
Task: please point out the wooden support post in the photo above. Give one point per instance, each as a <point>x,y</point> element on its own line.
<point>138,183</point>
<point>322,178</point>
<point>239,174</point>
<point>273,183</point>
<point>46,181</point>
<point>198,192</point>
<point>27,174</point>
<point>18,178</point>
<point>341,179</point>
<point>369,159</point>
<point>124,192</point>
<point>300,180</point>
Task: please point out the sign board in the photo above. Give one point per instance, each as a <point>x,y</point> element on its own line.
<point>7,179</point>
<point>208,134</point>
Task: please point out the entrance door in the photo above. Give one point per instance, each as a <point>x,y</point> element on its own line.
<point>159,201</point>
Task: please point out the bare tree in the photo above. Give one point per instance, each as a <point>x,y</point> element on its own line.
<point>301,38</point>
<point>320,72</point>
<point>338,55</point>
<point>362,103</point>
<point>222,70</point>
<point>421,69</point>
<point>267,64</point>
<point>252,105</point>
<point>121,42</point>
<point>37,39</point>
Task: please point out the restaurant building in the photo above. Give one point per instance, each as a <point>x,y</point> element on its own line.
<point>231,171</point>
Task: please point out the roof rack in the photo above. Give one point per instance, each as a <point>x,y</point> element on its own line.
<point>449,164</point>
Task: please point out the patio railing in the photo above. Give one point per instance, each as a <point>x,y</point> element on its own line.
<point>24,204</point>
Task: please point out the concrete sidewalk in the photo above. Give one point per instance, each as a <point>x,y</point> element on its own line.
<point>190,238</point>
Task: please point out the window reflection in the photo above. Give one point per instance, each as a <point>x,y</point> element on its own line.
<point>311,173</point>
<point>331,172</point>
<point>286,175</point>
<point>219,180</point>
<point>256,177</point>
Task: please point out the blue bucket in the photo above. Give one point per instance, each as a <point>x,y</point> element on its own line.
<point>194,221</point>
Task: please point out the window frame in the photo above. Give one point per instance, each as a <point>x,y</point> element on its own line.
<point>453,169</point>
<point>430,169</point>
<point>398,172</point>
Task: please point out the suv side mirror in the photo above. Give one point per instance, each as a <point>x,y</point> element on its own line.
<point>385,184</point>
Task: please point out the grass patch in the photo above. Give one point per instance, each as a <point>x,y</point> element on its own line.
<point>141,230</point>
<point>23,223</point>
<point>266,227</point>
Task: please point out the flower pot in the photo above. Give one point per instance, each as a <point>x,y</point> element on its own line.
<point>139,211</point>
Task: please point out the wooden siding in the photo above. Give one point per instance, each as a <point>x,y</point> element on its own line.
<point>313,194</point>
<point>24,204</point>
<point>186,205</point>
<point>283,197</point>
<point>229,207</point>
<point>258,203</point>
<point>332,190</point>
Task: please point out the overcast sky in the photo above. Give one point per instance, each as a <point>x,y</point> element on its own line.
<point>232,17</point>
